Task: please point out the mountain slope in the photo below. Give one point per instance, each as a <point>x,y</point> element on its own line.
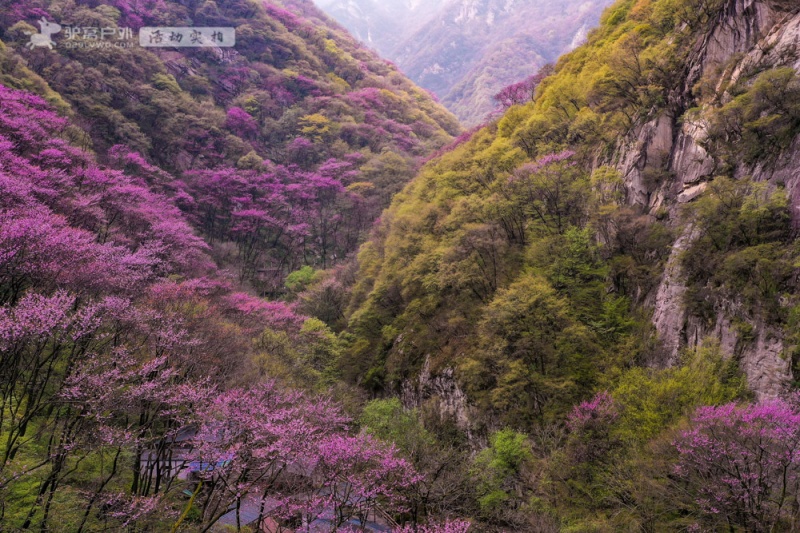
<point>472,49</point>
<point>580,317</point>
<point>382,25</point>
<point>295,103</point>
<point>149,198</point>
<point>657,137</point>
<point>633,226</point>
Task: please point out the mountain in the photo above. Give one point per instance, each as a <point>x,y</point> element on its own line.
<point>581,316</point>
<point>382,25</point>
<point>149,199</point>
<point>465,51</point>
<point>591,282</point>
<point>472,49</point>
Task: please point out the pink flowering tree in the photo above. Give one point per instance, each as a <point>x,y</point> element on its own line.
<point>258,444</point>
<point>357,475</point>
<point>291,458</point>
<point>591,441</point>
<point>119,337</point>
<point>75,384</point>
<point>38,336</point>
<point>241,123</point>
<point>523,91</point>
<point>451,526</point>
<point>591,422</point>
<point>742,465</point>
<point>123,405</point>
<point>280,219</point>
<point>61,185</point>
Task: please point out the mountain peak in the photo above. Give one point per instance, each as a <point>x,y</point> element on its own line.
<point>451,47</point>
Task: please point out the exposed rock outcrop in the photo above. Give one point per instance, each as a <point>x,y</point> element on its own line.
<point>442,389</point>
<point>749,36</point>
<point>669,314</point>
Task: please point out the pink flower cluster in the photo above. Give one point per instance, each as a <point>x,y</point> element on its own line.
<point>743,462</point>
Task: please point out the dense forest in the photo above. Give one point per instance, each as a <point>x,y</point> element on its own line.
<point>277,287</point>
<point>597,284</point>
<point>151,200</point>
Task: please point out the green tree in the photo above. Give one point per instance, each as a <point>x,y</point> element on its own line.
<point>500,474</point>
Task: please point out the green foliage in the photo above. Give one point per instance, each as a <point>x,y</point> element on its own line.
<point>166,82</point>
<point>307,362</point>
<point>509,451</point>
<point>478,222</point>
<point>15,73</point>
<point>250,161</point>
<point>389,421</point>
<point>525,269</point>
<point>652,400</point>
<point>762,120</point>
<point>499,470</point>
<point>533,357</point>
<point>387,173</point>
<point>315,126</point>
<point>510,259</point>
<point>298,280</point>
<point>319,349</point>
<point>740,252</point>
<point>612,471</point>
<point>577,269</point>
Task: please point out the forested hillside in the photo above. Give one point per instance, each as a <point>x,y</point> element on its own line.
<point>149,200</point>
<point>315,131</point>
<point>575,280</point>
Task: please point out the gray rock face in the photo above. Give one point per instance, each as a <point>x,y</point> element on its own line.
<point>647,148</point>
<point>742,25</point>
<point>381,24</point>
<point>441,388</point>
<point>766,366</point>
<point>669,313</point>
<point>766,34</point>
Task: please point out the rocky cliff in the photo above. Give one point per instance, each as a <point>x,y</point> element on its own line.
<point>746,37</point>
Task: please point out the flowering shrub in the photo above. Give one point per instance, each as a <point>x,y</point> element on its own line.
<point>454,526</point>
<point>523,91</point>
<point>590,424</point>
<point>742,464</point>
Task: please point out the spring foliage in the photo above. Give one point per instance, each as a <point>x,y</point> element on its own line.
<point>145,200</point>
<point>525,264</point>
<point>127,355</point>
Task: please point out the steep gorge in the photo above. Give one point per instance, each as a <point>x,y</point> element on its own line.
<point>583,316</point>
<point>466,51</point>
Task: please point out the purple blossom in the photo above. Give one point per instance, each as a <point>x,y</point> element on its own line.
<point>743,462</point>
